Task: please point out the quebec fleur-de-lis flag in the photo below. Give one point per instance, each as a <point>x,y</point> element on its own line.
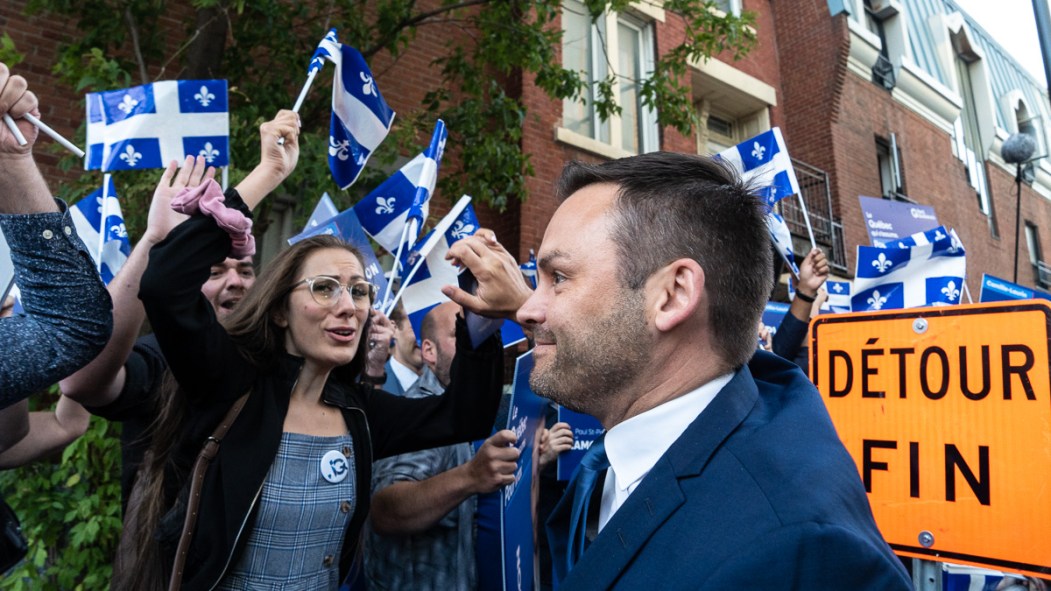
<point>386,211</point>
<point>150,125</point>
<point>360,117</point>
<point>107,241</point>
<point>763,161</point>
<point>926,269</point>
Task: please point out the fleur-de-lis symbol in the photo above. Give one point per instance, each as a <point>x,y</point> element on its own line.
<point>956,244</point>
<point>118,230</point>
<point>204,97</point>
<point>881,263</point>
<point>758,151</point>
<point>950,291</point>
<point>461,229</point>
<point>938,235</point>
<point>127,104</point>
<point>369,87</point>
<point>441,150</point>
<point>876,301</point>
<point>131,156</point>
<point>209,152</point>
<point>338,149</point>
<point>838,287</point>
<point>386,206</point>
<point>360,160</point>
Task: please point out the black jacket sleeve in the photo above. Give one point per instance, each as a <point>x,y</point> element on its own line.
<point>200,353</point>
<point>464,412</point>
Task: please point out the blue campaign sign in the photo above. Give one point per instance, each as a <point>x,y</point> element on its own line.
<point>995,289</point>
<point>888,220</point>
<point>586,430</point>
<point>525,416</point>
<point>773,314</point>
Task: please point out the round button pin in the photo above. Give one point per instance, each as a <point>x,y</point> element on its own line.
<point>334,466</point>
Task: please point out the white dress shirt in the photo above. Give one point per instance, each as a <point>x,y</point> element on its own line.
<point>634,446</point>
<point>406,376</point>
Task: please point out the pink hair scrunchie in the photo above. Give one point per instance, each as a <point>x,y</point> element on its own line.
<point>208,199</point>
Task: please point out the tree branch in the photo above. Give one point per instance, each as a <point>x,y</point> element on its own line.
<point>136,49</point>
<point>407,22</point>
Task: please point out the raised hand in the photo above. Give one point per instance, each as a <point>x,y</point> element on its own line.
<point>813,272</point>
<point>501,287</point>
<point>162,218</point>
<point>16,101</point>
<point>381,331</point>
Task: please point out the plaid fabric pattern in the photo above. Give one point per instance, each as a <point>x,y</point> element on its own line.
<point>297,535</point>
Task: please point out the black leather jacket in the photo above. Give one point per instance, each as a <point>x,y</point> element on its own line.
<point>212,374</point>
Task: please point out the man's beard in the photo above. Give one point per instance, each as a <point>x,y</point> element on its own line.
<point>597,358</point>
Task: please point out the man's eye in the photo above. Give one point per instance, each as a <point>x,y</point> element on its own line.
<point>557,278</point>
<point>216,273</point>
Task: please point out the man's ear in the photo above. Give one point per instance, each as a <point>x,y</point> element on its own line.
<point>429,351</point>
<point>675,293</point>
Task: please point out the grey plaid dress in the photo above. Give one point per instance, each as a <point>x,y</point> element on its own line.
<point>297,536</point>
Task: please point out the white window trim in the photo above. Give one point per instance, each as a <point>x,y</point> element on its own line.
<point>604,34</point>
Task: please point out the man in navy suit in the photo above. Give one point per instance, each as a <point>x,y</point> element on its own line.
<point>725,471</point>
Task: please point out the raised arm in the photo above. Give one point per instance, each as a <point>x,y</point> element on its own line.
<point>101,381</point>
<point>68,312</point>
<point>196,346</point>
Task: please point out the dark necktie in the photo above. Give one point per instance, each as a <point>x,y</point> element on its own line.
<point>592,465</point>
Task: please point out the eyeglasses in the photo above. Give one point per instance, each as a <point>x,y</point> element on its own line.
<point>326,291</point>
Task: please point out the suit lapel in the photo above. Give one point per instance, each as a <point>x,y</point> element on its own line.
<point>659,494</point>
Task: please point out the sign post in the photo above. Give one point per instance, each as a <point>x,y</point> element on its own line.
<point>947,413</point>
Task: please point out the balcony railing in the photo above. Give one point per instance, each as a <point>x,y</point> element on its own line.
<point>828,231</point>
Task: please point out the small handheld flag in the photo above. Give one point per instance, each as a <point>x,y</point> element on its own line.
<point>150,125</point>
<point>109,248</point>
<point>360,119</point>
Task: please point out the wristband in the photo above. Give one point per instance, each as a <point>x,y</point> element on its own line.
<point>805,297</point>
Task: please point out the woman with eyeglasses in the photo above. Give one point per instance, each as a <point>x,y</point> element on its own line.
<point>283,502</point>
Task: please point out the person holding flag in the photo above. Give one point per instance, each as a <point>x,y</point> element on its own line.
<point>68,312</point>
<point>283,373</point>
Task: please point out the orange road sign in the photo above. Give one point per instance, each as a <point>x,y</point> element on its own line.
<point>947,413</point>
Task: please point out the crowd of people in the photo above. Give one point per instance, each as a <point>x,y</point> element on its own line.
<point>278,432</point>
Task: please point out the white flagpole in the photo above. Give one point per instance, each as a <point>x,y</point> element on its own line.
<point>406,230</point>
<point>44,127</point>
<point>102,219</point>
<point>302,96</point>
<point>306,88</point>
<point>806,218</point>
<point>439,231</point>
<point>967,292</point>
<point>14,130</point>
<point>226,177</point>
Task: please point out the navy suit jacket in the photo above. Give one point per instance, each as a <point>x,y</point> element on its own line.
<point>392,384</point>
<point>758,493</point>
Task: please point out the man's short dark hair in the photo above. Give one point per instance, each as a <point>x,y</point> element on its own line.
<point>671,206</point>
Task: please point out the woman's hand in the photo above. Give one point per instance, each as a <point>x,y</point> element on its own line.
<point>276,160</point>
<point>162,218</point>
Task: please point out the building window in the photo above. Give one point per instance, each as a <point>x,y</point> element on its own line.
<point>728,6</point>
<point>888,159</point>
<point>618,45</point>
<point>967,133</point>
<point>1041,273</point>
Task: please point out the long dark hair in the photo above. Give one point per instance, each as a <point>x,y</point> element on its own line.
<point>140,563</point>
